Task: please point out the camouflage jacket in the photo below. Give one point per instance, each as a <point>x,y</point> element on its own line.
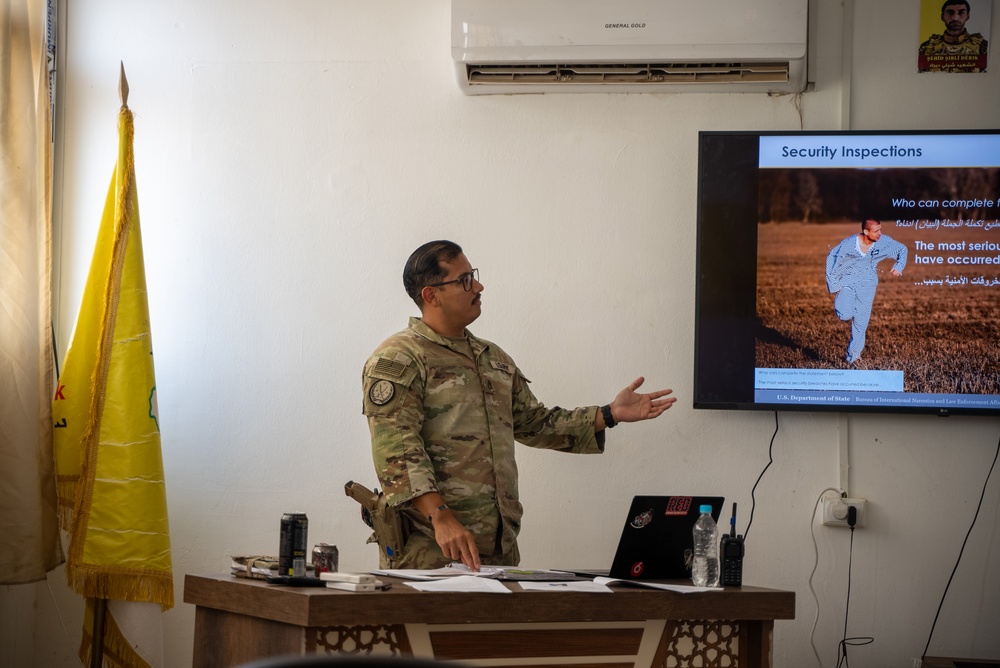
<point>964,44</point>
<point>947,53</point>
<point>443,421</point>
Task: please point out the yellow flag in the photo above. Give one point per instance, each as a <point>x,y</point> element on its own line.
<point>112,494</point>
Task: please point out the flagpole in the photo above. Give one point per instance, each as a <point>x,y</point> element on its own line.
<point>97,643</point>
<point>101,604</point>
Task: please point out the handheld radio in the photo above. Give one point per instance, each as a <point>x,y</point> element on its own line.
<point>732,550</point>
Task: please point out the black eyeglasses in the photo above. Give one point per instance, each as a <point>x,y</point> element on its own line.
<point>465,279</point>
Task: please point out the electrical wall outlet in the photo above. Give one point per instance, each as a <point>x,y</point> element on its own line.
<point>835,512</point>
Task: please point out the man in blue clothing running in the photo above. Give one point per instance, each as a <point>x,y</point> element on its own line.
<point>851,277</point>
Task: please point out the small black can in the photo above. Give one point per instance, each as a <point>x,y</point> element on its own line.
<point>325,558</point>
<point>293,545</point>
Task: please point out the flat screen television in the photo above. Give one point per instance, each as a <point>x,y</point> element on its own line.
<point>800,305</point>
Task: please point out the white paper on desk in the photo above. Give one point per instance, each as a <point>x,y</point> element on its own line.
<point>453,570</point>
<point>681,589</point>
<point>416,573</point>
<point>576,585</point>
<point>462,583</point>
<point>504,572</point>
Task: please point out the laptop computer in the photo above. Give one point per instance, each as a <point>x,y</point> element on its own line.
<point>656,540</point>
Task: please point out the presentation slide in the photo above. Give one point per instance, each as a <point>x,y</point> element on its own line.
<point>902,312</point>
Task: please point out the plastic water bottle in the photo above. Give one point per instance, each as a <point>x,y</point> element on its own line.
<point>705,570</point>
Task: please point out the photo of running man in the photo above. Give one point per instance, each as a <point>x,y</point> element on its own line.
<point>852,278</point>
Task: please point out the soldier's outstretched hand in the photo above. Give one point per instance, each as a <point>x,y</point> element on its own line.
<point>631,406</point>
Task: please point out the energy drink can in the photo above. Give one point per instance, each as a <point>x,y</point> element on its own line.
<point>325,558</point>
<point>292,547</point>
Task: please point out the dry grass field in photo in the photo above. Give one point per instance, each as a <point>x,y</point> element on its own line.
<point>945,338</point>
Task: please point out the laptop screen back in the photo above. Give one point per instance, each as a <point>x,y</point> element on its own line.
<point>656,540</point>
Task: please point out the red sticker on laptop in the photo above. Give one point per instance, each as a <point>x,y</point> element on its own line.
<point>637,569</point>
<point>678,505</point>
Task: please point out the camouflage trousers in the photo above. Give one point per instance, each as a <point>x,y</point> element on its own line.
<point>422,551</point>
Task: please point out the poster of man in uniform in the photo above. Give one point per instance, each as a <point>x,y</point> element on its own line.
<point>954,35</point>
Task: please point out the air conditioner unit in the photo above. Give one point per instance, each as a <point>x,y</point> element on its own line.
<point>605,46</point>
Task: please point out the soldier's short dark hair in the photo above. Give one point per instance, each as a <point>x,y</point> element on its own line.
<point>870,219</point>
<point>424,267</point>
<point>949,3</point>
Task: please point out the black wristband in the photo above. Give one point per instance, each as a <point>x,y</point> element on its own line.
<point>443,507</point>
<point>609,420</point>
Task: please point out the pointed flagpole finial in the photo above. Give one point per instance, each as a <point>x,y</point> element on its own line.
<point>123,87</point>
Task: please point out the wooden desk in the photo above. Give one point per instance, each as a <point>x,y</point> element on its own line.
<point>239,620</point>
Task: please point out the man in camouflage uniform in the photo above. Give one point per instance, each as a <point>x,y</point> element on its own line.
<point>955,50</point>
<point>444,408</point>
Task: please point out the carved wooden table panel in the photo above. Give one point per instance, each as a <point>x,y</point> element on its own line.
<point>239,620</point>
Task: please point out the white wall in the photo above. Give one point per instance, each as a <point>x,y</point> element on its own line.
<point>291,155</point>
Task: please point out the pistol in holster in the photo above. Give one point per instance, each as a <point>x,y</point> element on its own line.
<point>391,525</point>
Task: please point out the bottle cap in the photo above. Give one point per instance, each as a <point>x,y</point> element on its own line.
<point>706,509</point>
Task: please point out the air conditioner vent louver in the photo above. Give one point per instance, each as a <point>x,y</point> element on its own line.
<point>635,74</point>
